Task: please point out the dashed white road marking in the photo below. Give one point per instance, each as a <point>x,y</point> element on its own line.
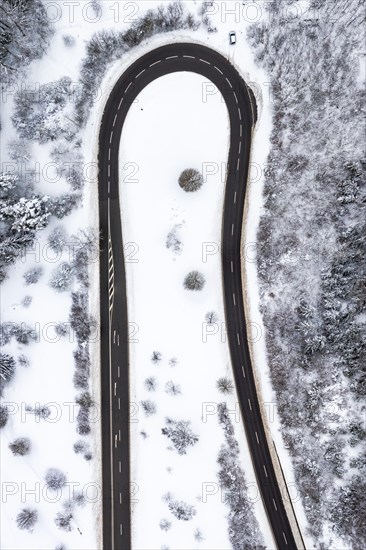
<point>155,63</point>
<point>235,197</point>
<point>111,137</point>
<point>115,388</point>
<point>115,118</point>
<point>265,470</point>
<point>119,435</point>
<point>239,112</point>
<point>204,61</point>
<point>115,441</point>
<point>241,130</point>
<point>232,229</point>
<point>232,266</point>
<point>117,339</point>
<point>284,536</point>
<point>217,69</point>
<point>239,147</point>
<point>140,73</point>
<point>130,84</point>
<point>119,403</point>
<point>238,164</point>
<point>118,371</point>
<point>120,498</point>
<point>119,466</point>
<point>236,97</point>
<point>109,186</point>
<point>257,438</point>
<point>120,529</point>
<point>274,504</point>
<point>234,299</point>
<point>243,371</point>
<point>238,338</point>
<point>190,56</point>
<point>250,403</point>
<point>228,81</point>
<point>120,103</point>
<point>114,337</point>
<point>171,57</point>
<point>109,154</point>
<point>109,170</point>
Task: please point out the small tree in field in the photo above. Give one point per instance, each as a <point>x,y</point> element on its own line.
<point>224,385</point>
<point>190,180</point>
<point>194,281</point>
<point>55,479</point>
<point>27,518</point>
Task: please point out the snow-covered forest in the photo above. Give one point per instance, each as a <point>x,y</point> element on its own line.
<point>311,254</point>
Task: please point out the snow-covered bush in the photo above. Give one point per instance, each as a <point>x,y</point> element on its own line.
<point>8,182</point>
<point>165,524</point>
<point>4,415</point>
<point>82,418</point>
<point>173,241</point>
<point>149,407</point>
<point>46,115</point>
<point>180,434</point>
<point>20,446</point>
<point>156,357</point>
<point>25,215</point>
<point>225,385</point>
<point>58,239</point>
<point>181,510</point>
<point>62,206</point>
<point>62,277</point>
<point>79,316</point>
<point>80,447</point>
<point>190,180</point>
<point>172,389</point>
<point>55,479</point>
<point>27,300</point>
<point>79,499</point>
<point>69,40</point>
<point>150,384</point>
<point>64,521</point>
<point>194,281</point>
<point>198,536</point>
<point>33,275</point>
<point>27,518</point>
<point>62,329</point>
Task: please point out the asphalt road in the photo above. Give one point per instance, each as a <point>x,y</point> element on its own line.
<point>114,319</point>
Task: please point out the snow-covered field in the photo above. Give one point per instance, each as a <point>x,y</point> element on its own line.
<point>160,141</point>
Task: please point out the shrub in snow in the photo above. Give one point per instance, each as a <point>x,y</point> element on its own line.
<point>198,536</point>
<point>55,479</point>
<point>27,300</point>
<point>69,40</point>
<point>61,329</point>
<point>79,316</point>
<point>165,524</point>
<point>62,206</point>
<point>62,277</point>
<point>88,456</point>
<point>172,389</point>
<point>20,446</point>
<point>83,421</point>
<point>23,361</point>
<point>41,411</point>
<point>150,384</point>
<point>173,362</point>
<point>19,150</point>
<point>84,400</point>
<point>82,370</point>
<point>64,520</point>
<point>24,334</point>
<point>181,510</point>
<point>8,182</point>
<point>27,518</point>
<point>7,369</point>
<point>156,357</point>
<point>57,239</point>
<point>173,241</point>
<point>60,547</point>
<point>4,415</point>
<point>79,499</point>
<point>41,116</point>
<point>194,281</point>
<point>190,180</point>
<point>149,407</point>
<point>180,434</point>
<point>33,275</point>
<point>80,379</point>
<point>80,447</point>
<point>225,385</point>
<point>211,318</point>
